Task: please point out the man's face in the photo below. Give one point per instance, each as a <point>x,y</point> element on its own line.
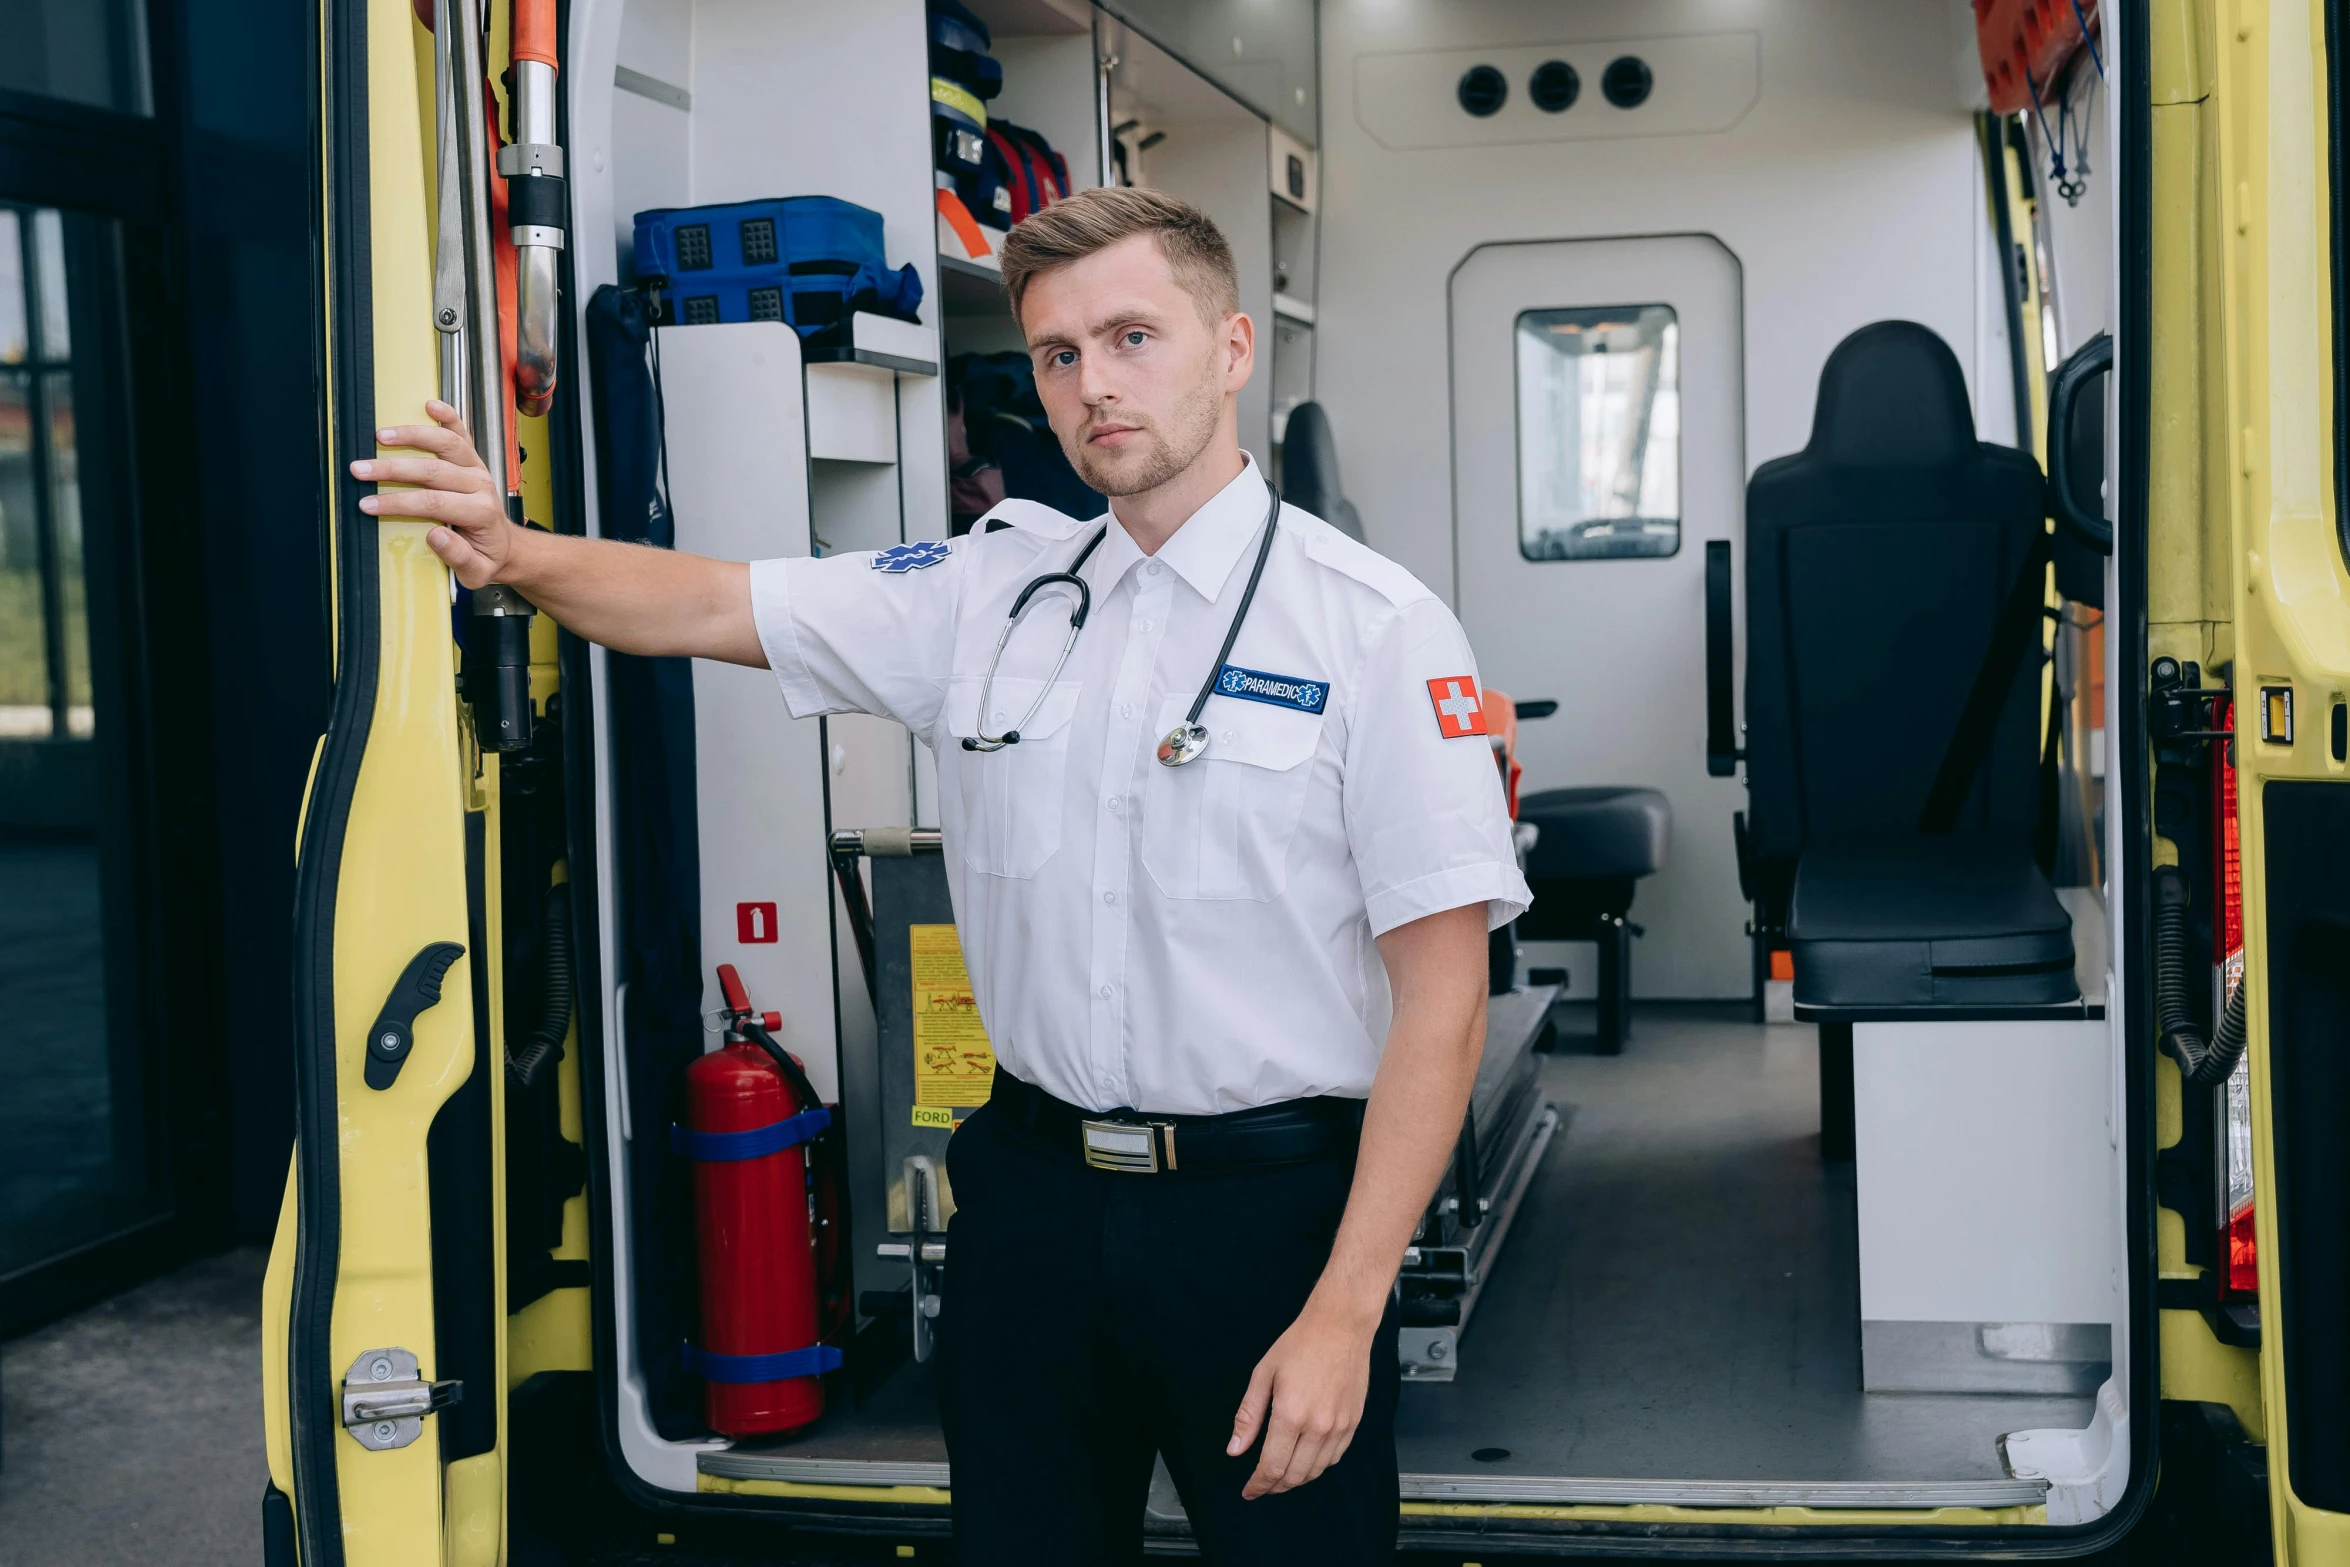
<point>1133,380</point>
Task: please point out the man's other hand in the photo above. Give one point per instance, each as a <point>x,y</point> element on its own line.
<point>450,487</point>
<point>1313,1380</point>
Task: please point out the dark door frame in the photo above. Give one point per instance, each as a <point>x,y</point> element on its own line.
<point>165,948</point>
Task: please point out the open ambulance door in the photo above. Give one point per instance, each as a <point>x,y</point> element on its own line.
<point>2247,584</point>
<point>383,1307</point>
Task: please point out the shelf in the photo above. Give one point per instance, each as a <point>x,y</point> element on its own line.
<point>1031,18</point>
<point>852,413</point>
<point>966,288</point>
<point>907,347</point>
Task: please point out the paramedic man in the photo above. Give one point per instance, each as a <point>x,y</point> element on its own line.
<point>1189,945</point>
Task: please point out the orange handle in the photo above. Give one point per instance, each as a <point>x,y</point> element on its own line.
<point>534,31</point>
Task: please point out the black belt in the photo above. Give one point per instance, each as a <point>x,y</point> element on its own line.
<point>1140,1144</point>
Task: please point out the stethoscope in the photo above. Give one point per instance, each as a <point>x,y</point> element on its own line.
<point>1187,740</point>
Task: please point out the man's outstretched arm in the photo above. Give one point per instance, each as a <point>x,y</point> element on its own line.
<point>662,603</point>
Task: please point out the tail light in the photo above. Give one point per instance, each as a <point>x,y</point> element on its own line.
<point>2240,1279</point>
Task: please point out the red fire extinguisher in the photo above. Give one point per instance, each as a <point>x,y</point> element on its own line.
<point>750,1115</point>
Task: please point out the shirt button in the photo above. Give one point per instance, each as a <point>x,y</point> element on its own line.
<point>1152,568</point>
<point>1105,992</point>
<point>1142,625</point>
<point>1112,802</point>
<point>1109,897</point>
<point>1127,711</point>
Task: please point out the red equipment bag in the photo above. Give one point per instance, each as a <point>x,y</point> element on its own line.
<point>751,1114</point>
<point>1033,172</point>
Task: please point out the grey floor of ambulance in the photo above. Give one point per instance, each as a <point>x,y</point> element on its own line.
<point>1679,1298</point>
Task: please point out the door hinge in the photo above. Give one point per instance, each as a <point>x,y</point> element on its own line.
<point>385,1400</point>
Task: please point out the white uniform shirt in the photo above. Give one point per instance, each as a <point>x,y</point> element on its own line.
<point>1178,940</point>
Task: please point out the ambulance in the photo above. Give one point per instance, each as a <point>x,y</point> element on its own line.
<point>1888,458</point>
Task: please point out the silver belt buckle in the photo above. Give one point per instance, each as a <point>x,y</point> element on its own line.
<point>1129,1146</point>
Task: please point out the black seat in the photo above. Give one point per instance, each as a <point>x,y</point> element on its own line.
<point>1879,559</point>
<point>1591,849</point>
<point>1928,922</point>
<point>1309,470</point>
<point>1600,834</point>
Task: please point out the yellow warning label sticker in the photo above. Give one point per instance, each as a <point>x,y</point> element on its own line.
<point>940,1116</point>
<point>953,1063</point>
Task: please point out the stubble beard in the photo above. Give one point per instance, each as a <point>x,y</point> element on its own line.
<point>1169,448</point>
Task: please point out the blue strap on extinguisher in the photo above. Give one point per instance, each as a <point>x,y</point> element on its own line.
<point>782,1366</point>
<point>757,1143</point>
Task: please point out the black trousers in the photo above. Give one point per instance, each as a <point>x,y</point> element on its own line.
<point>1092,1318</point>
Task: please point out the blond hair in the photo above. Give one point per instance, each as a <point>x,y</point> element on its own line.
<point>1089,221</point>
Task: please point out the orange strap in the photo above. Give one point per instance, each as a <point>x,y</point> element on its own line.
<point>966,227</point>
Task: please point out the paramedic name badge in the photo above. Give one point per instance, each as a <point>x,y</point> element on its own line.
<point>899,559</point>
<point>1254,685</point>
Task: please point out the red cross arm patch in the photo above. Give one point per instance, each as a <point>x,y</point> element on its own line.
<point>1460,711</point>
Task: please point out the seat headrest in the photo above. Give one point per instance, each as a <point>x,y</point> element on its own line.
<point>1892,396</point>
<point>1309,469</point>
<point>1309,459</point>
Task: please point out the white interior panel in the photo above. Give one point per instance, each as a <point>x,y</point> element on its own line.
<point>1846,192</point>
<point>1985,1171</point>
<point>1615,642</point>
<point>1703,83</point>
<point>739,489</point>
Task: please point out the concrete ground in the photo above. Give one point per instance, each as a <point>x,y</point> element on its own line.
<point>131,1433</point>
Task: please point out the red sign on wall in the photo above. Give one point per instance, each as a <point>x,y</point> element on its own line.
<point>754,923</point>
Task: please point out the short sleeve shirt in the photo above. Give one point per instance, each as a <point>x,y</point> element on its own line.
<point>1175,940</point>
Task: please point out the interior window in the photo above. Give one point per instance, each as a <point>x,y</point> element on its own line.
<point>1599,432</point>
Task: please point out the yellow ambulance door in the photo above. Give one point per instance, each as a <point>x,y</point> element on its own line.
<point>383,1310</point>
<point>2275,592</point>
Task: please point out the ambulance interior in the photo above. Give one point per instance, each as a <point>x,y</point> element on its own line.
<point>1579,312</point>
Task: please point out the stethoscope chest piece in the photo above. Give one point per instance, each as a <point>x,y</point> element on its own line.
<point>1184,743</point>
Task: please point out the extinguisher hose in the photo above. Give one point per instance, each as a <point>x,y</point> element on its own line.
<point>529,1066</point>
<point>2203,1063</point>
<point>802,1090</point>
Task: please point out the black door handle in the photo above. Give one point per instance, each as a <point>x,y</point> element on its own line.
<point>1722,750</point>
<point>394,1032</point>
<point>2089,361</point>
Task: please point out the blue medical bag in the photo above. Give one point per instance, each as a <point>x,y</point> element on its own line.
<point>807,261</point>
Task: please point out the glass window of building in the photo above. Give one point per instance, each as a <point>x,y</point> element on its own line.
<point>75,1163</point>
<point>84,51</point>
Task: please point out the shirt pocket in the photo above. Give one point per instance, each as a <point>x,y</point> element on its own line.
<point>1221,825</point>
<point>1010,801</point>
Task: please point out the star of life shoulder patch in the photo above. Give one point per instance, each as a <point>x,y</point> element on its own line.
<point>1460,711</point>
<point>899,559</point>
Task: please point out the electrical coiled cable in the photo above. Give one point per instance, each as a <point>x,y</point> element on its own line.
<point>2203,1063</point>
<point>529,1065</point>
